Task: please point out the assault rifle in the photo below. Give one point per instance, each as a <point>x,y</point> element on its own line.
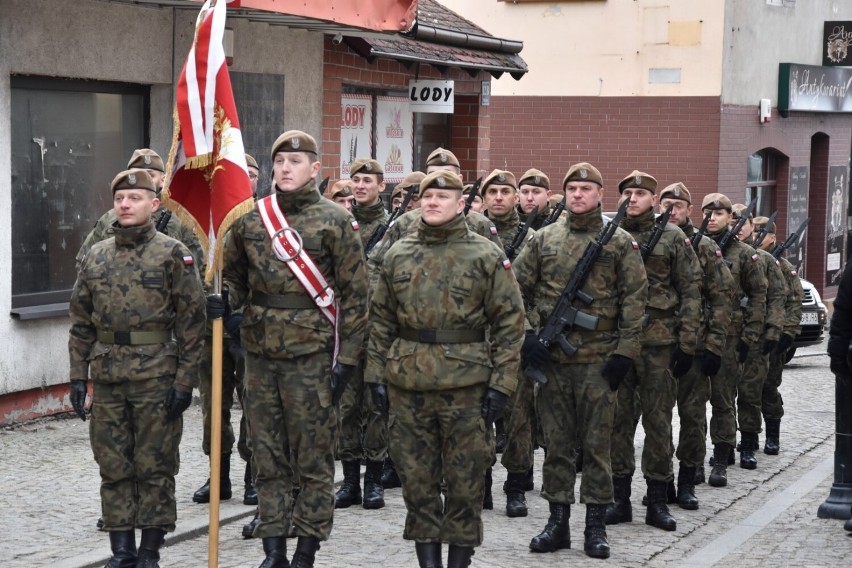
<point>164,221</point>
<point>474,191</point>
<point>323,184</point>
<point>555,214</point>
<point>726,239</point>
<point>764,231</point>
<point>383,228</point>
<point>564,315</point>
<point>791,240</point>
<point>659,227</point>
<point>702,230</point>
<point>511,249</point>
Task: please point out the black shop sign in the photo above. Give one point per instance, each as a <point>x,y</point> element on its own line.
<point>812,88</point>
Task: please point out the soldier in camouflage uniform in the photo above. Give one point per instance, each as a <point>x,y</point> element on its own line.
<point>750,386</point>
<point>580,394</point>
<point>669,339</point>
<point>772,405</point>
<point>137,327</point>
<point>693,388</point>
<point>534,190</point>
<point>447,327</point>
<point>743,335</point>
<point>341,193</point>
<point>104,228</point>
<point>292,379</point>
<point>499,192</point>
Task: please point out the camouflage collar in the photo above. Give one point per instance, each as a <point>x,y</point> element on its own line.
<point>134,236</point>
<point>688,228</point>
<point>508,222</point>
<point>370,212</point>
<point>644,222</point>
<point>292,201</point>
<point>450,231</point>
<point>586,222</point>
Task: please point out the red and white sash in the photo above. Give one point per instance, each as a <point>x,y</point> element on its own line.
<point>287,246</point>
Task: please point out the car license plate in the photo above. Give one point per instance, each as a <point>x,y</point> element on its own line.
<point>810,318</point>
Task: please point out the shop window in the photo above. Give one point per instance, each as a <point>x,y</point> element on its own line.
<point>69,139</point>
<point>762,184</point>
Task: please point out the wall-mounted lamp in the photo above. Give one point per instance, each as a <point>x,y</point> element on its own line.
<point>228,42</point>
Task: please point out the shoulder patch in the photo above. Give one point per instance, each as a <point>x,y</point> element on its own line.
<point>188,260</point>
<point>356,226</point>
<point>507,264</point>
<point>719,252</point>
<point>531,237</point>
<point>777,263</point>
<point>493,230</point>
<point>687,242</point>
<point>635,245</point>
<point>755,257</point>
<point>793,273</point>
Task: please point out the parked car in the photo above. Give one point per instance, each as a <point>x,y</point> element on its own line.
<point>813,320</point>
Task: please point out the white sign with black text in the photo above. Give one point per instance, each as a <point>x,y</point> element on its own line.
<point>432,96</point>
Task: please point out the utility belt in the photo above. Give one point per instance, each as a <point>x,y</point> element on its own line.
<point>135,337</point>
<point>653,314</point>
<point>282,301</point>
<point>442,335</point>
<point>588,322</point>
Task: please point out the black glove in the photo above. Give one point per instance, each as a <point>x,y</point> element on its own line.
<point>710,364</point>
<point>742,351</point>
<point>379,393</point>
<point>493,405</point>
<point>533,353</point>
<point>615,370</point>
<point>232,327</point>
<point>785,343</point>
<point>680,363</point>
<point>216,307</point>
<point>176,402</point>
<point>78,397</point>
<point>340,377</point>
<point>769,346</point>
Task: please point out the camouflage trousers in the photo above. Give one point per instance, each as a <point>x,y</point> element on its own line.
<point>723,390</point>
<point>750,390</point>
<point>693,393</point>
<point>233,382</point>
<point>772,405</point>
<point>293,427</point>
<point>520,429</point>
<point>363,429</point>
<point>651,379</point>
<point>435,434</point>
<point>137,453</point>
<point>576,404</point>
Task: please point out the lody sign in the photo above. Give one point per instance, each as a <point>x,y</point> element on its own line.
<point>431,96</point>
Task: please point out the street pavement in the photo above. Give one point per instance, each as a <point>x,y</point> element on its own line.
<point>764,517</point>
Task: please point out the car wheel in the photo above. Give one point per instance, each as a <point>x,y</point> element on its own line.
<point>789,355</point>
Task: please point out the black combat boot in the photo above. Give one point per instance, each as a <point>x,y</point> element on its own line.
<point>248,528</point>
<point>250,495</point>
<point>100,523</point>
<point>374,493</point>
<point>671,495</point>
<point>686,498</point>
<point>657,514</point>
<point>429,554</point>
<point>123,546</point>
<point>350,490</point>
<point>773,436</point>
<point>719,473</point>
<point>306,550</point>
<point>390,478</point>
<point>516,503</point>
<point>500,438</point>
<point>699,475</point>
<point>529,483</point>
<point>848,524</point>
<point>149,548</point>
<point>596,544</point>
<point>202,495</point>
<point>275,548</point>
<point>487,500</point>
<point>620,511</point>
<point>556,533</point>
<point>747,447</point>
<point>459,556</point>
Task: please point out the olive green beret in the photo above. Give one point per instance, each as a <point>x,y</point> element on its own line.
<point>760,223</point>
<point>583,171</point>
<point>738,210</point>
<point>411,180</point>
<point>135,178</point>
<point>535,178</point>
<point>499,177</point>
<point>294,141</point>
<point>441,179</point>
<point>366,166</point>
<point>716,201</point>
<point>676,191</point>
<point>251,162</point>
<point>341,188</point>
<point>442,157</point>
<point>639,180</point>
<point>146,159</point>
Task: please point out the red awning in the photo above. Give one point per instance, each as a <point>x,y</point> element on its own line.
<point>373,15</point>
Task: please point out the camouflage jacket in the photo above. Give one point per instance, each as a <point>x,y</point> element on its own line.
<point>749,280</point>
<point>673,311</point>
<point>105,228</point>
<point>139,280</point>
<point>507,226</point>
<point>795,296</point>
<point>617,283</point>
<point>540,218</point>
<point>445,278</point>
<point>369,218</point>
<point>776,296</point>
<point>717,283</point>
<point>329,235</point>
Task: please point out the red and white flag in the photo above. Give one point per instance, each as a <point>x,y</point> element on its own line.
<point>207,182</point>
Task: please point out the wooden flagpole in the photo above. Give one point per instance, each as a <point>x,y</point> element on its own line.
<point>215,436</point>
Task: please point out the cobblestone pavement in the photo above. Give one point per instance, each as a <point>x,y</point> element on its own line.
<point>765,517</point>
